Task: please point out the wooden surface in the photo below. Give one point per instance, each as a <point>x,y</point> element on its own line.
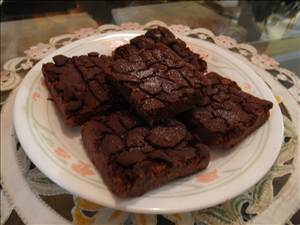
<point>18,35</point>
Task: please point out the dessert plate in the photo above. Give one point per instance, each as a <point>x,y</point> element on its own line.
<point>58,151</point>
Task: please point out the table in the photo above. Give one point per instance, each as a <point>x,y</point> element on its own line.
<point>25,190</point>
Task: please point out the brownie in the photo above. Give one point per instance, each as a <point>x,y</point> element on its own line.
<point>154,79</point>
<point>78,87</point>
<point>134,158</point>
<point>162,34</point>
<point>226,114</point>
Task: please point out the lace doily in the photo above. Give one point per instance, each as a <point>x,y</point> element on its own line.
<point>272,200</point>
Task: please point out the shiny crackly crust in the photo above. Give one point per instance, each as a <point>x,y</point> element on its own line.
<point>134,158</point>
<point>162,34</point>
<point>78,87</point>
<point>226,114</point>
<point>154,79</point>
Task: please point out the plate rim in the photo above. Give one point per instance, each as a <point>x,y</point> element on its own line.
<point>69,185</point>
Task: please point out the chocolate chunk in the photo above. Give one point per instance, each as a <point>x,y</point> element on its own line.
<point>115,123</point>
<point>176,77</point>
<point>124,51</point>
<point>166,137</point>
<point>147,57</point>
<point>182,154</point>
<point>156,154</point>
<point>93,54</point>
<point>151,86</point>
<point>152,104</point>
<point>136,137</point>
<point>60,60</point>
<point>144,148</point>
<point>142,42</point>
<point>122,66</point>
<point>134,58</point>
<point>101,128</point>
<point>128,121</point>
<point>168,98</point>
<point>73,106</point>
<point>68,93</point>
<point>144,73</point>
<point>112,143</point>
<point>169,86</point>
<point>138,96</point>
<point>188,153</point>
<point>126,78</point>
<point>162,34</point>
<point>98,91</point>
<point>130,158</point>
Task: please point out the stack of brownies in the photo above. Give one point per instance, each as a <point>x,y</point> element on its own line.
<point>149,111</point>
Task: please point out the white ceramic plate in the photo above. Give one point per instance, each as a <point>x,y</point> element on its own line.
<point>58,152</point>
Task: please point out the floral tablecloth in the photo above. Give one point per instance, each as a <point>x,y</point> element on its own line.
<point>37,200</point>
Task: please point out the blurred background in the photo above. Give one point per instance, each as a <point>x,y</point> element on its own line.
<point>273,27</point>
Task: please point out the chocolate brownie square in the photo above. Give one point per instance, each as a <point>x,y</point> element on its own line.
<point>78,87</point>
<point>155,80</point>
<point>226,114</point>
<point>134,158</point>
<point>162,34</point>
